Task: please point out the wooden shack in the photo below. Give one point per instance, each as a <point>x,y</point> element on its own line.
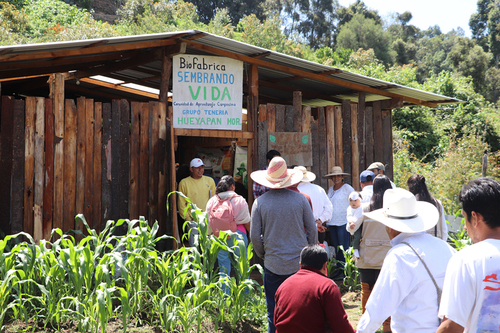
<point>74,143</point>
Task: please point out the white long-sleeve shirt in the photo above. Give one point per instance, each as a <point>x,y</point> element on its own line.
<point>404,289</point>
<point>340,202</point>
<point>322,207</point>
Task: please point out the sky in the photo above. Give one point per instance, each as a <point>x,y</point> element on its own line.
<point>448,14</point>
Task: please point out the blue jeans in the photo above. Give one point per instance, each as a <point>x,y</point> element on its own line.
<point>223,256</point>
<point>339,236</point>
<point>271,284</point>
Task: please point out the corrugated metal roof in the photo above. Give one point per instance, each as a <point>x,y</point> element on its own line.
<point>275,84</point>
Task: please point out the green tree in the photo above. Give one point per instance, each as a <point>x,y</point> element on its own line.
<point>13,24</point>
<point>485,26</point>
<point>365,33</point>
<point>346,14</point>
<point>317,24</point>
<point>237,9</point>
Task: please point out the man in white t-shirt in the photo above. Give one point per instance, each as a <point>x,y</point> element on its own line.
<point>471,291</point>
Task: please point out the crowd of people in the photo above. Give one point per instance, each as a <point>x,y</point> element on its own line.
<point>412,280</point>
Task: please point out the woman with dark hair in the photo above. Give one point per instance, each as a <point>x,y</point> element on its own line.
<point>374,245</point>
<point>417,186</point>
<point>228,211</point>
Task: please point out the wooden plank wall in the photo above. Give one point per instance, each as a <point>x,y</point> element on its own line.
<point>350,135</point>
<point>108,159</point>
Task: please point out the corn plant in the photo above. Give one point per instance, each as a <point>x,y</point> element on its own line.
<point>351,279</point>
<point>459,239</point>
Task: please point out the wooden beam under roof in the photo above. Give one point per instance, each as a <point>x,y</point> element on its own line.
<point>108,95</point>
<point>142,58</point>
<point>300,72</point>
<point>119,87</point>
<point>89,61</point>
<point>87,51</point>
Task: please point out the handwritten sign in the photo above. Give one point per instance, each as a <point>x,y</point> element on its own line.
<point>207,92</point>
<point>295,148</point>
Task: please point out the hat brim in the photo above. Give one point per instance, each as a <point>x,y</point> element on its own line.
<point>260,178</point>
<point>426,218</point>
<point>308,177</point>
<point>336,174</point>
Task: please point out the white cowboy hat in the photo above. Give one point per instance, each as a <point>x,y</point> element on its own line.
<point>308,175</point>
<point>402,212</point>
<point>277,175</point>
<point>336,170</point>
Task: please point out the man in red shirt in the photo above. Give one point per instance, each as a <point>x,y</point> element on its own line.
<point>308,301</point>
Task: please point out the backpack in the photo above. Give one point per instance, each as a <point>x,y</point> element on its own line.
<point>221,216</point>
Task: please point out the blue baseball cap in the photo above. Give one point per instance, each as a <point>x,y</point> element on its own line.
<point>363,177</point>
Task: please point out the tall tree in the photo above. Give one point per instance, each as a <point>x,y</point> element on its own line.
<point>485,26</point>
<point>365,33</point>
<point>207,9</point>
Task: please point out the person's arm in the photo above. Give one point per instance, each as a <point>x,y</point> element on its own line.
<point>394,283</point>
<point>309,224</point>
<point>449,326</point>
<point>335,312</point>
<point>326,214</point>
<point>181,202</point>
<point>256,231</point>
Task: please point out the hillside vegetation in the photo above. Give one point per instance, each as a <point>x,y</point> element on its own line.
<point>445,143</point>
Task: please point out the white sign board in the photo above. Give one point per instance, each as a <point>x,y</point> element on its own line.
<point>207,92</point>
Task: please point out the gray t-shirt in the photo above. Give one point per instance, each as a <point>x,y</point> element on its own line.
<point>282,225</point>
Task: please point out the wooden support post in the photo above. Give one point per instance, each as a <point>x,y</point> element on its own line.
<point>57,95</point>
<point>346,138</point>
<point>16,213</point>
<point>48,191</point>
<point>330,136</point>
<point>29,164</point>
<point>252,117</point>
<point>71,165</point>
<point>377,132</point>
<point>361,131</point>
<point>354,147</point>
<point>297,110</point>
<point>39,168</point>
<point>7,130</point>
<point>369,135</point>
<point>261,154</point>
<point>97,216</point>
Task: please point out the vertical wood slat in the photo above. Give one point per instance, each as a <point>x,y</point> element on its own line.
<point>163,180</point>
<point>322,148</point>
<point>289,117</point>
<point>70,160</point>
<point>271,118</point>
<point>297,111</point>
<point>355,147</point>
<point>7,131</point>
<point>172,208</point>
<point>346,138</point>
<point>106,164</point>
<point>144,158</point>
<point>135,151</point>
<point>115,159</point>
<point>306,119</point>
<point>38,233</point>
<point>80,163</point>
<point>153,162</point>
<point>315,168</point>
<point>377,132</point>
<point>369,135</point>
<point>280,118</point>
<point>261,154</point>
<point>361,131</point>
<point>17,168</point>
<point>330,136</point>
<point>48,187</point>
<point>89,162</point>
<point>339,154</point>
<point>57,94</point>
<point>96,214</point>
<point>387,157</point>
<point>29,165</point>
<point>124,160</point>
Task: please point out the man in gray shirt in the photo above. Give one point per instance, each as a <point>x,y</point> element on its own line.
<point>282,225</point>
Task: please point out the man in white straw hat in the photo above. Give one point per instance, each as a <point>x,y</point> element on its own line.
<point>321,205</point>
<point>472,284</point>
<point>409,285</point>
<point>282,225</point>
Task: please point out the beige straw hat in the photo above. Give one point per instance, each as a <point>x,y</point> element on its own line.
<point>336,170</point>
<point>308,175</point>
<point>277,175</point>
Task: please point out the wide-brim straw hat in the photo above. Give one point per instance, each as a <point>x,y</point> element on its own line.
<point>402,212</point>
<point>277,175</point>
<point>336,171</point>
<point>308,176</point>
